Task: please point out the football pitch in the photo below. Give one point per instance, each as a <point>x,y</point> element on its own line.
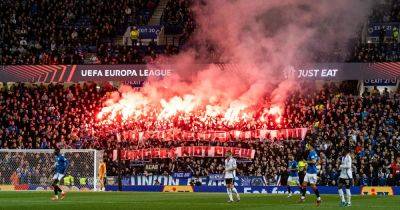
<point>176,201</point>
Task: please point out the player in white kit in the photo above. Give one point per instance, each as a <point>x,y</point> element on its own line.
<point>230,174</point>
<point>345,178</point>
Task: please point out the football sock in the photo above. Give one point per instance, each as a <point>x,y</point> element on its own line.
<point>348,194</point>
<point>55,189</point>
<point>229,193</point>
<point>341,195</point>
<point>303,191</point>
<point>316,192</point>
<point>58,188</point>
<point>236,192</point>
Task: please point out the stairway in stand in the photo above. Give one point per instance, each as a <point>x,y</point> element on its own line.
<point>156,17</point>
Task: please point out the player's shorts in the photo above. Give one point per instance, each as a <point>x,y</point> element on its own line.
<point>310,178</point>
<point>293,180</point>
<point>345,182</point>
<point>58,176</point>
<point>228,181</point>
<point>301,177</point>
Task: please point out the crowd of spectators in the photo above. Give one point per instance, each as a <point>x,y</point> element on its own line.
<point>63,32</point>
<point>383,46</point>
<point>178,18</point>
<point>387,11</point>
<point>376,52</point>
<point>86,32</point>
<point>56,115</point>
<point>47,116</point>
<point>368,124</point>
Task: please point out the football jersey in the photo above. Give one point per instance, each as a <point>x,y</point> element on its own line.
<point>346,171</point>
<point>312,167</point>
<point>61,164</point>
<point>102,169</point>
<point>293,165</point>
<point>230,164</point>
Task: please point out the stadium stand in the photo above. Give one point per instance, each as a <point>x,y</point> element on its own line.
<point>386,47</point>
<point>55,32</point>
<point>56,115</point>
<point>46,116</point>
<point>195,98</point>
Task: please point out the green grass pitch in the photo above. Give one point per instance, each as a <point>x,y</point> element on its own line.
<point>177,201</point>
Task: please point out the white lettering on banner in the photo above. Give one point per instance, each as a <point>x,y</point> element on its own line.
<point>308,73</point>
<point>249,190</point>
<point>186,151</point>
<point>173,181</point>
<point>133,180</point>
<point>157,73</point>
<point>125,72</point>
<point>212,183</point>
<point>380,81</point>
<point>147,180</point>
<point>91,73</point>
<point>155,178</point>
<point>203,181</point>
<point>181,135</point>
<point>276,191</point>
<point>166,179</point>
<point>328,72</point>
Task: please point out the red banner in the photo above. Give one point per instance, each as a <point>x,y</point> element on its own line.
<point>190,151</point>
<point>221,136</point>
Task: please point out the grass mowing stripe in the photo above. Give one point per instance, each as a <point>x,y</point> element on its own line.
<point>177,201</point>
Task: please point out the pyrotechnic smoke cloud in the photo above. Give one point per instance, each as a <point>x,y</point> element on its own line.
<point>261,38</point>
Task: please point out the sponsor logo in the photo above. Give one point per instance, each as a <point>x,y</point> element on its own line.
<point>178,189</point>
<point>7,188</point>
<point>22,187</point>
<point>377,191</point>
<point>14,187</point>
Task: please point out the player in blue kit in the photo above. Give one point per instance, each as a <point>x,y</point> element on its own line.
<point>61,166</point>
<point>293,178</point>
<point>311,174</point>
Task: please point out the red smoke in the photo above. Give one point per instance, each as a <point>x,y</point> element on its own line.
<point>261,39</point>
